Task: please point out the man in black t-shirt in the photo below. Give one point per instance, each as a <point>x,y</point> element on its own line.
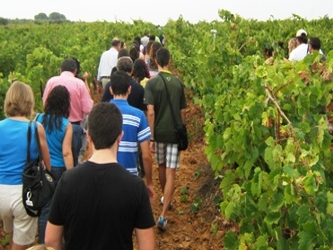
<point>99,204</point>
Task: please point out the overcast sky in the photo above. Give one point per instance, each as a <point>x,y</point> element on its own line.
<point>159,12</point>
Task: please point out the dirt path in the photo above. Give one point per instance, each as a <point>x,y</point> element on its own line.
<point>190,222</point>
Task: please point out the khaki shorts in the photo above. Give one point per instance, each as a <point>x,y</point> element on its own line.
<point>104,82</point>
<point>15,218</point>
<point>167,152</point>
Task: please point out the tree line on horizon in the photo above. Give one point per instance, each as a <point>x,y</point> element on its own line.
<point>54,17</point>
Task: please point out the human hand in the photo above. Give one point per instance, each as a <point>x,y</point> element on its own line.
<point>86,75</point>
<point>152,146</point>
<point>151,192</point>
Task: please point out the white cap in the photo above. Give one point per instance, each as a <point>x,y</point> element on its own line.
<point>300,32</point>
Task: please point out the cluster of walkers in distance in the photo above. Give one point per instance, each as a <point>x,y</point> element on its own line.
<point>100,153</point>
<point>298,48</point>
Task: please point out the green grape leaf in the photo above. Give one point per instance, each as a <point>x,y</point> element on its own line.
<point>278,200</point>
<point>230,241</point>
<point>307,237</point>
<point>273,218</point>
<point>310,184</point>
<point>291,172</point>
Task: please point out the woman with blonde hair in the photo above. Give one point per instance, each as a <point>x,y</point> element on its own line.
<point>292,44</point>
<point>18,106</point>
<point>40,247</point>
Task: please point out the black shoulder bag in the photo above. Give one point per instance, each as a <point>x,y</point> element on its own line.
<point>179,127</point>
<point>38,183</point>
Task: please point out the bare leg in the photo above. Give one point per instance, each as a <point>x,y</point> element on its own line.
<point>18,247</point>
<point>14,246</point>
<point>162,175</point>
<point>168,189</point>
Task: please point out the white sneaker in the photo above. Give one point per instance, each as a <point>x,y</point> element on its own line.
<point>162,202</point>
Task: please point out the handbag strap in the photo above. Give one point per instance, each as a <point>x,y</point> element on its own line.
<point>168,97</point>
<point>37,139</point>
<point>29,139</point>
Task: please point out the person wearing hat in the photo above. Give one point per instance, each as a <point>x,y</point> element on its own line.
<point>302,46</point>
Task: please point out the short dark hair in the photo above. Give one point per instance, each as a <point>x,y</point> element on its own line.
<point>315,43</point>
<point>68,65</point>
<point>78,65</point>
<point>105,123</point>
<point>125,63</point>
<point>115,42</point>
<point>120,82</point>
<point>123,52</point>
<point>163,57</point>
<point>302,39</point>
<point>152,53</point>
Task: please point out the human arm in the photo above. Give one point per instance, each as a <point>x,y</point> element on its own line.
<point>147,164</point>
<point>85,77</point>
<point>151,122</point>
<point>86,100</point>
<point>53,236</point>
<point>67,147</point>
<point>43,147</point>
<point>145,238</point>
<point>183,115</point>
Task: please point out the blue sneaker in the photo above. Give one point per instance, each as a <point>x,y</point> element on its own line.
<point>161,223</point>
<point>170,205</point>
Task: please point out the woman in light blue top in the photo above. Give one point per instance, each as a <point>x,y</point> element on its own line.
<point>59,132</point>
<point>19,105</point>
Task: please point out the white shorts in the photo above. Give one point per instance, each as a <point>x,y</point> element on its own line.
<point>15,218</point>
<point>167,152</point>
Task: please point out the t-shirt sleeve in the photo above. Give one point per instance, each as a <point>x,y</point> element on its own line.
<point>145,218</point>
<point>148,93</point>
<point>144,129</point>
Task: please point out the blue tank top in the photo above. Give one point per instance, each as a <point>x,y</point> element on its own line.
<point>13,150</point>
<point>54,140</point>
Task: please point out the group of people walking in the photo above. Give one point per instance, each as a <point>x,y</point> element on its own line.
<point>101,201</point>
<point>299,46</point>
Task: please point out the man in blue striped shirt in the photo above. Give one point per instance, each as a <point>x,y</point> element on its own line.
<point>136,130</point>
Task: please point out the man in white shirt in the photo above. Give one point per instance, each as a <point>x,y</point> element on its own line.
<point>145,39</point>
<point>302,48</point>
<point>108,60</point>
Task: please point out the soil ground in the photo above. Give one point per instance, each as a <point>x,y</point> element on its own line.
<point>194,222</point>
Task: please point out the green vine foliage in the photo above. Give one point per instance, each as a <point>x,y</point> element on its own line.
<point>274,146</point>
<point>266,126</point>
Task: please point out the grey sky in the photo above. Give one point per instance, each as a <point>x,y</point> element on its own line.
<point>159,12</point>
